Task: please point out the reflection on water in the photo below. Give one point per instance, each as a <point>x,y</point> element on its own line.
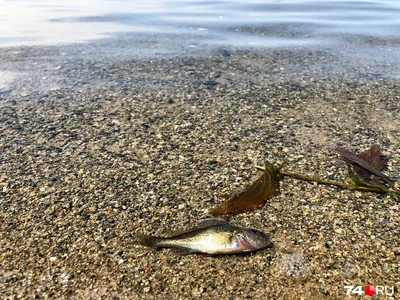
<point>239,23</point>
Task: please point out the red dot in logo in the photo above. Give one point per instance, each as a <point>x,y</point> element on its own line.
<point>369,290</point>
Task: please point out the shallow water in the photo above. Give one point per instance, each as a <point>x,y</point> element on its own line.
<point>235,23</point>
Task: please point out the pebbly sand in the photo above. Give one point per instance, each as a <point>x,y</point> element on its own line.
<point>94,151</point>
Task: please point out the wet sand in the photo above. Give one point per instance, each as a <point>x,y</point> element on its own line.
<point>94,151</point>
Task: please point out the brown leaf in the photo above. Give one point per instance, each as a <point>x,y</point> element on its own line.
<point>364,166</point>
<point>254,196</point>
<point>373,156</point>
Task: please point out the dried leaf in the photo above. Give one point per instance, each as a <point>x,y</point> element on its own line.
<point>374,157</point>
<point>254,196</point>
<point>364,168</point>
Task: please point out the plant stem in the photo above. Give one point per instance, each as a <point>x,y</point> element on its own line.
<point>331,182</point>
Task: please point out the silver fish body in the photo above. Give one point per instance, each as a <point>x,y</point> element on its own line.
<point>213,237</point>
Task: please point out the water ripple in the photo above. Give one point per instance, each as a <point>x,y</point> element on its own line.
<point>230,23</point>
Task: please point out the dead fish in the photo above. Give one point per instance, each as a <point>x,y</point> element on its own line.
<point>212,236</point>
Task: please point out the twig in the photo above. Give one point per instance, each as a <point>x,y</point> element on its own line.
<point>337,183</point>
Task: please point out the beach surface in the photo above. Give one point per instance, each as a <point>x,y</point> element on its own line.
<point>95,149</point>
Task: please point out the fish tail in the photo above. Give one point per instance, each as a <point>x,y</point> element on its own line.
<point>148,240</point>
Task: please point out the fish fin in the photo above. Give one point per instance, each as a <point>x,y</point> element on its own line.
<point>147,240</point>
<point>207,222</point>
<point>204,223</point>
